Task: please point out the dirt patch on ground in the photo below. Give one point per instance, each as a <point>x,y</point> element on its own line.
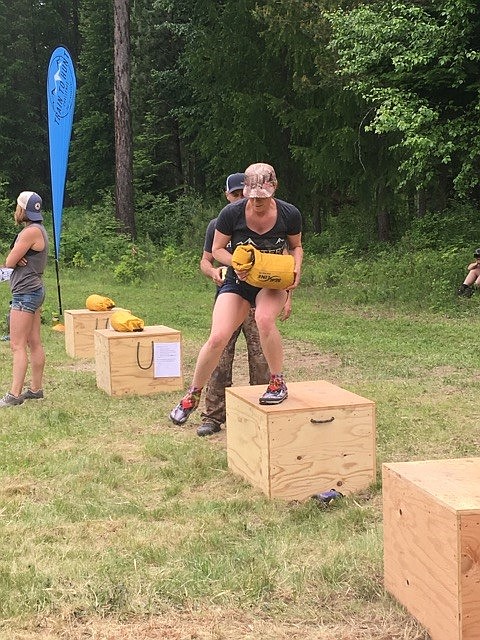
<point>303,361</point>
<point>218,624</point>
<point>80,365</point>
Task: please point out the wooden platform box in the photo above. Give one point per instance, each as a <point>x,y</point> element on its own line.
<point>321,437</point>
<point>432,543</point>
<point>139,362</point>
<point>79,327</point>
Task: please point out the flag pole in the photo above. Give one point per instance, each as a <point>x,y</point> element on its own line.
<point>57,272</point>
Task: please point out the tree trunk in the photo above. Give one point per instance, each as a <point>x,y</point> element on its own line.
<point>316,211</point>
<point>421,203</point>
<point>383,216</point>
<point>123,118</point>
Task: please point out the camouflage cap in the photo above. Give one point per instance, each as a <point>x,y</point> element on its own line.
<point>260,181</point>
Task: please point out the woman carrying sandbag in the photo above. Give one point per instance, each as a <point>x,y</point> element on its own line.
<point>271,226</point>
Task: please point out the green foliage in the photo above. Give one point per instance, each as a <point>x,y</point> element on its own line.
<point>457,227</point>
<point>8,229</point>
<point>416,66</point>
<point>349,101</point>
<point>182,222</point>
<point>184,264</point>
<point>93,146</point>
<point>92,236</point>
<point>422,270</point>
<point>132,266</point>
<point>141,263</point>
<point>422,279</point>
<point>351,227</point>
<point>160,94</point>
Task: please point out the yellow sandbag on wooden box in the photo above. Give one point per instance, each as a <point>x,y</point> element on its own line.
<point>99,303</point>
<point>267,270</point>
<point>123,320</point>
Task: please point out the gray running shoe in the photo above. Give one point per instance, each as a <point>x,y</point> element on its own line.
<point>276,391</point>
<point>10,400</point>
<point>32,395</point>
<point>190,401</point>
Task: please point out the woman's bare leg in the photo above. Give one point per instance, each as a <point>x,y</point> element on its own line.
<point>229,312</point>
<point>21,324</point>
<point>269,304</point>
<point>37,353</point>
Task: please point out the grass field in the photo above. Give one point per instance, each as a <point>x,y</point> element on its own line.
<point>117,525</point>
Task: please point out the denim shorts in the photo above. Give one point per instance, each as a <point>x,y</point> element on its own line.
<point>28,302</point>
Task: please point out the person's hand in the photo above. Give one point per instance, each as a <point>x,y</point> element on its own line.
<point>242,275</point>
<point>296,281</point>
<point>218,276</point>
<point>287,308</point>
<point>22,262</point>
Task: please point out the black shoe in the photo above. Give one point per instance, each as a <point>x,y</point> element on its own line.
<point>208,429</point>
<point>465,290</point>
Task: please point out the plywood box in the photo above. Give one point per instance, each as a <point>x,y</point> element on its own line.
<point>321,437</point>
<point>79,327</point>
<point>432,543</point>
<point>139,362</point>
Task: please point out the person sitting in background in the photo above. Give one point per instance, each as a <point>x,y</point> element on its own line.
<point>472,281</point>
<point>214,414</point>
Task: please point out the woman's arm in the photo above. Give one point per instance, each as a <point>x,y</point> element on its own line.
<point>208,268</point>
<point>296,250</point>
<point>27,239</point>
<point>219,250</point>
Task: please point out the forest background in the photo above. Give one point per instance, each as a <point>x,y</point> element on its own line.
<point>368,111</point>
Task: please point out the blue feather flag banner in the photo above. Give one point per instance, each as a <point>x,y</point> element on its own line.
<point>61,91</point>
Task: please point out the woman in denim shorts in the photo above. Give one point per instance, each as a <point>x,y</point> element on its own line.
<point>27,258</point>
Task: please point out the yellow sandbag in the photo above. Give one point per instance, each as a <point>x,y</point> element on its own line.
<point>123,320</point>
<point>99,303</point>
<point>267,270</point>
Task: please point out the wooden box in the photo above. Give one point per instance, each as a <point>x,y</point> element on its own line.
<point>138,362</point>
<point>79,327</point>
<point>321,437</point>
<point>432,543</point>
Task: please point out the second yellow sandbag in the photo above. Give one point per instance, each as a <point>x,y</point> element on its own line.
<point>123,320</point>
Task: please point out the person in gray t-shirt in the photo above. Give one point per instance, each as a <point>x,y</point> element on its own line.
<point>27,258</point>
